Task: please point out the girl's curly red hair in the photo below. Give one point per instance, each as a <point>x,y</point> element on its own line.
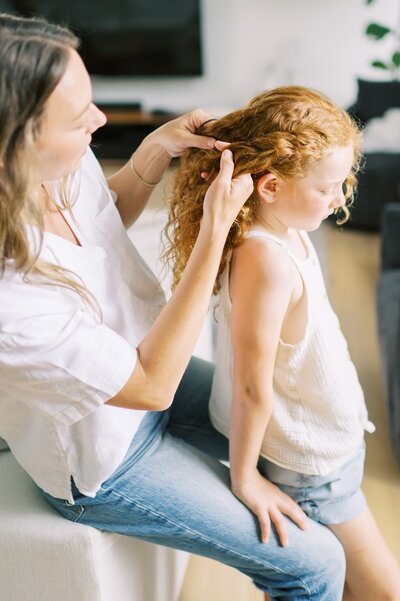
<point>284,131</point>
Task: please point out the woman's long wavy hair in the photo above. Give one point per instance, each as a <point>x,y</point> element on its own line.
<point>33,58</point>
<point>284,131</point>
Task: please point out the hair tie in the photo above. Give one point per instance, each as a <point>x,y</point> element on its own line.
<point>208,121</point>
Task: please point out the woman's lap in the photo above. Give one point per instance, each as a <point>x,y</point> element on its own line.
<point>171,493</point>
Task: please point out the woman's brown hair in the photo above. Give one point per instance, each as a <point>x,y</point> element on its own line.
<point>33,58</point>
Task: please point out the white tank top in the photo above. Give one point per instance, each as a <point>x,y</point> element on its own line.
<point>319,414</point>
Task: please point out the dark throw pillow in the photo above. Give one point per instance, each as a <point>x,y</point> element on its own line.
<point>375,98</point>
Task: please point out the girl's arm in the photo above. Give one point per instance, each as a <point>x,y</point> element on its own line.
<point>165,351</point>
<point>135,181</point>
<point>261,288</point>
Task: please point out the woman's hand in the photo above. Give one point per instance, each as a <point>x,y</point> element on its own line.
<point>226,195</point>
<point>270,504</point>
<point>178,135</point>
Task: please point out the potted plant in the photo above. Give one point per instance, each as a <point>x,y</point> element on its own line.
<point>379,180</point>
<point>378,31</point>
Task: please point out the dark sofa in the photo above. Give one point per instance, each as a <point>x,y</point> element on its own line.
<point>388,308</point>
<point>379,180</point>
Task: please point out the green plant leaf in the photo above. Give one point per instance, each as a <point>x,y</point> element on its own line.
<point>380,65</point>
<point>377,31</point>
<point>369,1</point>
<point>396,58</point>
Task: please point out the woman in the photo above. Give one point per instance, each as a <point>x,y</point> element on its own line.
<point>100,402</point>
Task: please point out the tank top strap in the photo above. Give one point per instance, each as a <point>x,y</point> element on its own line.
<point>268,236</point>
<point>304,266</point>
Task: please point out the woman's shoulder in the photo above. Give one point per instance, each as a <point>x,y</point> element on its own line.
<point>23,299</point>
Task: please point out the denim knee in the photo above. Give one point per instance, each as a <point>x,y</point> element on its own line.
<point>319,577</point>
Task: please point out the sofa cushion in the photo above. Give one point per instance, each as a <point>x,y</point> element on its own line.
<point>378,185</point>
<point>388,316</point>
<point>375,98</point>
<point>3,445</point>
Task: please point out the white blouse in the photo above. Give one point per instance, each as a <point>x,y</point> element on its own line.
<point>59,364</point>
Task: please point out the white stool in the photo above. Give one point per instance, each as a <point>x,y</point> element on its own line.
<point>44,557</point>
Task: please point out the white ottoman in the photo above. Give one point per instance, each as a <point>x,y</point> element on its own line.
<point>44,557</point>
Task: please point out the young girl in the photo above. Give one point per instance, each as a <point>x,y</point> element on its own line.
<point>285,390</point>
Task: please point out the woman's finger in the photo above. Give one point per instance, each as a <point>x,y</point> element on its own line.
<point>197,118</point>
<point>243,183</point>
<point>204,142</point>
<point>219,145</point>
<point>226,167</point>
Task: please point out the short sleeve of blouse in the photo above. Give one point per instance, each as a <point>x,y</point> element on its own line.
<point>57,359</point>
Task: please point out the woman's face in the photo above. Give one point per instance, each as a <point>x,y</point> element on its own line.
<point>69,119</point>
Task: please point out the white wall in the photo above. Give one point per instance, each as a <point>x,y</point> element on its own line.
<point>250,45</point>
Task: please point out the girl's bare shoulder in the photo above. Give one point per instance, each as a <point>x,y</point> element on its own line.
<point>263,259</point>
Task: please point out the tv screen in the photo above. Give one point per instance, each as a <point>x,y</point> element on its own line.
<point>139,38</point>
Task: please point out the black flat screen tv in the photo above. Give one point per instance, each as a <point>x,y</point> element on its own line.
<point>135,38</point>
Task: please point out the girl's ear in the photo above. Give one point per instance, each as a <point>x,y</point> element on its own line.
<point>266,187</point>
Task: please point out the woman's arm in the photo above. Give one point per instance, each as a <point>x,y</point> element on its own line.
<point>135,181</point>
<point>165,352</point>
<point>261,290</point>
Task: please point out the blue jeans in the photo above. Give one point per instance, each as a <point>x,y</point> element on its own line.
<point>172,490</point>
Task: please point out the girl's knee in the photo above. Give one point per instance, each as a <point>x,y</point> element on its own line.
<point>384,586</point>
<point>386,593</point>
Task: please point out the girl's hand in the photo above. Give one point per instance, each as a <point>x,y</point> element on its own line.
<point>270,504</point>
<point>226,195</point>
<point>178,135</point>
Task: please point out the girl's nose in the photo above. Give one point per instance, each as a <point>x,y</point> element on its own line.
<point>339,200</point>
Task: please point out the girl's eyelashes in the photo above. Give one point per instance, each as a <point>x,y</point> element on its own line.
<point>332,189</point>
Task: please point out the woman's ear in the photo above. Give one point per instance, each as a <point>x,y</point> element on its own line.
<point>266,187</point>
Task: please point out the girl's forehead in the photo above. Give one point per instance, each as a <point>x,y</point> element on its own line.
<point>335,165</point>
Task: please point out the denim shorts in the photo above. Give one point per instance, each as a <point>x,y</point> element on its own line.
<point>331,499</point>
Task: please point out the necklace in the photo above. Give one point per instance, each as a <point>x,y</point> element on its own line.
<point>48,206</point>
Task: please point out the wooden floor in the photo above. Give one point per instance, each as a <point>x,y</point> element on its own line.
<point>351,265</point>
